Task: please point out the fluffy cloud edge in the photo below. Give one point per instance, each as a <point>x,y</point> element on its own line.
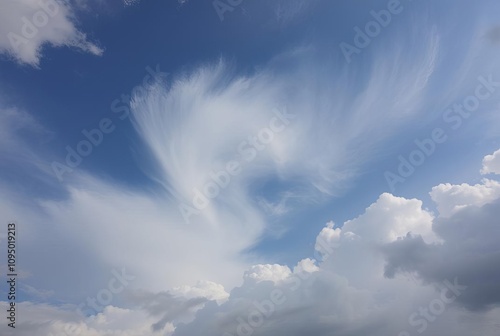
<point>491,164</point>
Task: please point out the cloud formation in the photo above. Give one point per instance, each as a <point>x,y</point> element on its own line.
<point>27,26</point>
<point>491,164</point>
<point>395,270</point>
<point>375,270</point>
<point>452,198</point>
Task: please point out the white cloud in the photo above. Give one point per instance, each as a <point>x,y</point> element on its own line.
<point>305,265</point>
<point>205,289</point>
<point>220,111</point>
<point>328,237</point>
<point>369,282</point>
<point>452,198</point>
<point>42,319</point>
<point>194,126</point>
<point>131,2</point>
<point>391,218</point>
<point>26,26</point>
<point>274,273</point>
<point>491,163</point>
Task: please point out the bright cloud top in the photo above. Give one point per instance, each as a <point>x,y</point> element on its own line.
<point>491,164</point>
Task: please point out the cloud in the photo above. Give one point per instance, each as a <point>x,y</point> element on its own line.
<point>206,289</point>
<point>42,319</point>
<point>451,198</point>
<point>131,2</point>
<point>190,128</point>
<point>274,273</point>
<point>168,308</point>
<point>14,121</point>
<point>327,238</point>
<point>397,209</point>
<point>379,275</point>
<point>288,11</point>
<point>37,293</point>
<point>469,251</point>
<point>491,163</point>
<point>23,156</point>
<point>221,111</point>
<point>26,26</point>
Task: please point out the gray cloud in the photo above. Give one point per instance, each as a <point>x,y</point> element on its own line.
<point>470,252</point>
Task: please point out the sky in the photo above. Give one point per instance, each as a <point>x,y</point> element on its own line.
<point>237,168</point>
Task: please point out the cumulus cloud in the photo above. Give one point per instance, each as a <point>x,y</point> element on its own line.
<point>386,271</point>
<point>327,239</point>
<point>26,26</point>
<point>206,289</point>
<point>274,273</point>
<point>491,163</point>
<point>469,251</point>
<point>43,319</point>
<point>451,198</point>
<point>382,277</point>
<point>306,265</point>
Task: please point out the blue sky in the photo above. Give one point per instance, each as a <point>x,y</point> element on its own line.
<point>304,122</point>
